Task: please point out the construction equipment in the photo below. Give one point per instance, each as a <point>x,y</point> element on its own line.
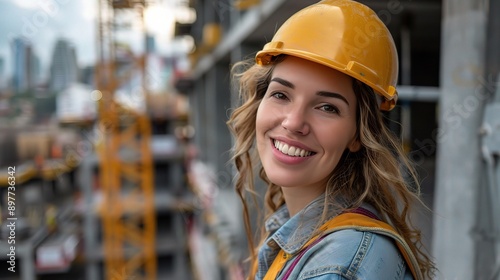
<point>126,167</point>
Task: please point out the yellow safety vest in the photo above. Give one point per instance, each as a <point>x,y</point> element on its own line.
<point>358,222</point>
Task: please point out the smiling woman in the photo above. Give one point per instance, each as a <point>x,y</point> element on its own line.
<point>338,204</point>
<point>311,109</point>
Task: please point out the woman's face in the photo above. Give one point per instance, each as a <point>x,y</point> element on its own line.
<point>305,121</point>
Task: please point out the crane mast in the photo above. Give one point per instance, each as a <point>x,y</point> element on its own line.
<point>126,165</point>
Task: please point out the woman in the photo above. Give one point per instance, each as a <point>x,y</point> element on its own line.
<point>338,201</point>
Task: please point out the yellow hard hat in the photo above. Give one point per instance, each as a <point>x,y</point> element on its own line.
<point>344,35</point>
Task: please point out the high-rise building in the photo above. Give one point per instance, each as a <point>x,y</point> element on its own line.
<point>3,79</point>
<point>34,71</point>
<point>64,66</point>
<point>26,66</point>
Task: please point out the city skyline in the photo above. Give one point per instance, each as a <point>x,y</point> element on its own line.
<point>43,22</point>
<point>63,68</point>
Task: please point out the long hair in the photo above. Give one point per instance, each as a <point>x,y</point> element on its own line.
<point>379,173</point>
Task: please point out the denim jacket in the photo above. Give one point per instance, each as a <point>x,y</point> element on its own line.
<point>345,254</point>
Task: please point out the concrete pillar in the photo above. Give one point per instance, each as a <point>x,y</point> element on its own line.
<point>196,101</point>
<point>459,158</point>
<point>488,221</point>
<point>217,104</point>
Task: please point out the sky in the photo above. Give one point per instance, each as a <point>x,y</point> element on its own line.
<point>42,22</point>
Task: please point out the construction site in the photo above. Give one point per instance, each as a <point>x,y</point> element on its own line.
<point>121,168</point>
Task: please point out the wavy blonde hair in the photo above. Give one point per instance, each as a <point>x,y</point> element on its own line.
<point>377,174</point>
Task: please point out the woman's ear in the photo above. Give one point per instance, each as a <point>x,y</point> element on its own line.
<point>354,146</point>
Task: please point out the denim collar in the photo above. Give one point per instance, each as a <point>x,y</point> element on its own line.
<point>291,233</point>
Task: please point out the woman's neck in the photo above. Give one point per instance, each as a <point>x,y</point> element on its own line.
<point>296,198</point>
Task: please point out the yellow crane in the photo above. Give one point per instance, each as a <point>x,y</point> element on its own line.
<point>126,165</point>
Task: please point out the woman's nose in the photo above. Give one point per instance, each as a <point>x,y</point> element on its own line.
<point>295,121</point>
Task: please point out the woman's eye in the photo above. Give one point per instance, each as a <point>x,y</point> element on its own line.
<point>329,108</point>
<point>279,95</point>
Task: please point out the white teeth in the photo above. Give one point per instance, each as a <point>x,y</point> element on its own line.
<point>295,154</point>
<point>285,149</point>
<point>291,150</point>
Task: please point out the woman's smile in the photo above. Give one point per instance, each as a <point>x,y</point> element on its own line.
<point>288,153</point>
<point>291,150</point>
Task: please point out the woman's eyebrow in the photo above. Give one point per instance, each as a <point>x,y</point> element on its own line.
<point>333,95</point>
<point>319,93</point>
<point>283,82</point>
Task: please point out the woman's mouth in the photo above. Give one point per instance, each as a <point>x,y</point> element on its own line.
<point>291,150</point>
